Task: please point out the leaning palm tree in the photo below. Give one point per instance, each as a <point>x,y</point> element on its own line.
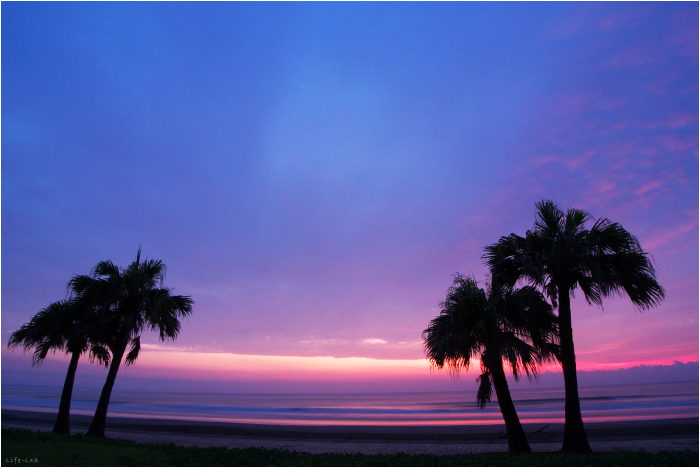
<point>62,326</point>
<point>559,254</point>
<point>128,301</point>
<point>515,326</point>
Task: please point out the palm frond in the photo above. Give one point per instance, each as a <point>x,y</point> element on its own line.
<point>506,324</point>
<point>101,354</point>
<point>575,220</point>
<point>154,270</point>
<point>549,218</point>
<point>483,394</point>
<point>133,352</point>
<point>443,348</point>
<point>46,331</point>
<point>105,269</point>
<point>126,301</point>
<point>604,261</point>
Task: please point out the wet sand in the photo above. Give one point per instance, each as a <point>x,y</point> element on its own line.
<point>681,428</point>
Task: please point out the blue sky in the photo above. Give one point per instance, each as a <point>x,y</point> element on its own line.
<point>313,174</point>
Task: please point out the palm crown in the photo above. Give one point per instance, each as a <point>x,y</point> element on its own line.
<point>62,326</point>
<point>132,299</point>
<point>516,326</point>
<point>560,252</point>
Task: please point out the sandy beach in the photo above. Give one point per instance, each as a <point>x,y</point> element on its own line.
<point>650,435</point>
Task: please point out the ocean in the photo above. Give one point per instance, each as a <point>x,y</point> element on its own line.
<point>534,405</point>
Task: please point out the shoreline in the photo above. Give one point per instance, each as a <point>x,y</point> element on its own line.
<point>655,429</point>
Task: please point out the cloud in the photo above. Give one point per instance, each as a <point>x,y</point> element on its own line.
<point>671,234</point>
<point>170,348</point>
<point>674,121</point>
<point>649,186</point>
<point>579,161</point>
<point>374,341</point>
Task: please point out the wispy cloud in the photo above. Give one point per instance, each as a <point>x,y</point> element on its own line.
<point>374,341</point>
<point>671,234</point>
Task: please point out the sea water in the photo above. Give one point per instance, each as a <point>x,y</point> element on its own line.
<point>534,405</point>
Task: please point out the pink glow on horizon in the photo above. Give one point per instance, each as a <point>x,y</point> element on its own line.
<point>226,365</point>
<point>229,365</point>
<point>157,362</point>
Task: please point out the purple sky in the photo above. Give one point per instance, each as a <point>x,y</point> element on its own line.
<point>314,174</point>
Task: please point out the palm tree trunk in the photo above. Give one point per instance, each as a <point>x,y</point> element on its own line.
<point>62,425</point>
<point>575,439</point>
<point>97,426</point>
<point>517,442</point>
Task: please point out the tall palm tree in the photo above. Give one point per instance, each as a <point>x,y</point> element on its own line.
<point>128,301</point>
<point>62,326</point>
<point>516,326</point>
<point>559,254</point>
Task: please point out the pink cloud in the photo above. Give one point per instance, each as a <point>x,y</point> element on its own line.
<point>649,186</point>
<point>571,163</point>
<point>606,186</point>
<point>641,55</point>
<point>678,144</point>
<point>674,121</point>
<point>627,18</point>
<point>685,39</point>
<point>682,120</point>
<point>672,234</point>
<point>579,161</point>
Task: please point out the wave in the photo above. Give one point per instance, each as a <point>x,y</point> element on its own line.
<point>607,403</point>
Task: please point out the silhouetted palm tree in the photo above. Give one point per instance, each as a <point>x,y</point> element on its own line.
<point>493,327</point>
<point>559,254</point>
<point>129,300</point>
<point>62,326</point>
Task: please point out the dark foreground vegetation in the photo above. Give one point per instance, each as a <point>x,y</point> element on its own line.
<point>25,448</point>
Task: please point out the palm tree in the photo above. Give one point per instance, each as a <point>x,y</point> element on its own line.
<point>559,254</point>
<point>62,326</point>
<point>129,301</point>
<point>517,326</point>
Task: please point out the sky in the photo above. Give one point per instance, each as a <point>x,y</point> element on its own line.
<point>314,174</point>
